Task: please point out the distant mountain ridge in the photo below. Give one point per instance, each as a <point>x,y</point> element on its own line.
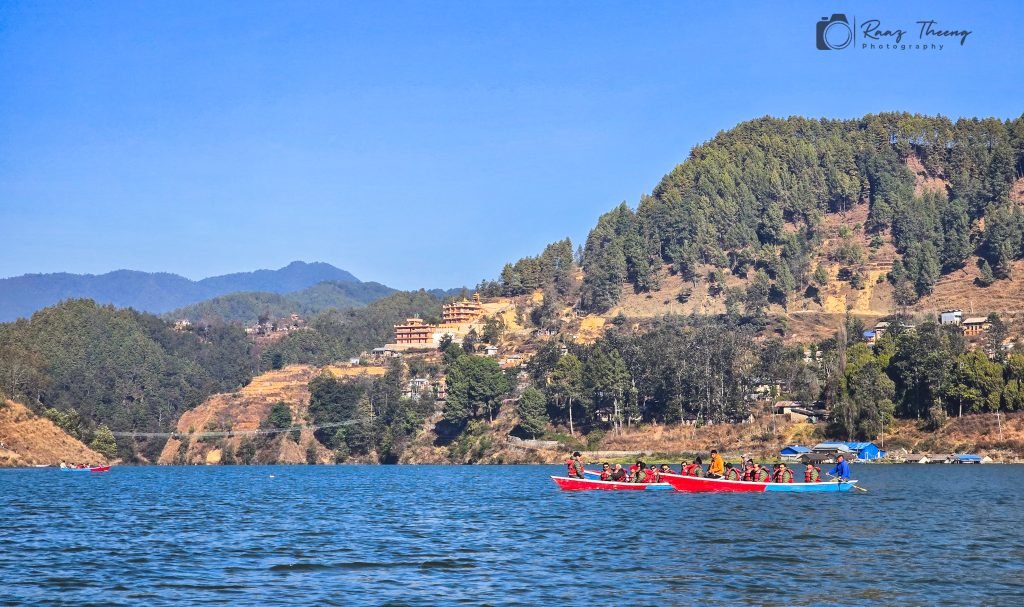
<point>154,292</point>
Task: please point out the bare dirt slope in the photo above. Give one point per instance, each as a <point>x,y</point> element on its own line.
<point>243,411</point>
<point>30,440</point>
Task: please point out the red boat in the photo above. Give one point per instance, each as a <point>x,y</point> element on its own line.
<point>586,484</point>
<point>93,469</point>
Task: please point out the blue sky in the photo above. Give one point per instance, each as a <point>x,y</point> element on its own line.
<point>419,144</point>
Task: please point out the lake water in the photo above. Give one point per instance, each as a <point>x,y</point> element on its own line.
<point>502,535</point>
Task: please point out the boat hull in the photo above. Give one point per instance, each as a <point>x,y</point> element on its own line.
<point>693,484</point>
<point>580,484</point>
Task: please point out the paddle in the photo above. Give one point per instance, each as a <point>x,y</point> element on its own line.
<point>839,480</point>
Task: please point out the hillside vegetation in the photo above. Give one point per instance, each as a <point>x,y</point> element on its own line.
<point>97,365</point>
<point>755,202</point>
<point>249,307</point>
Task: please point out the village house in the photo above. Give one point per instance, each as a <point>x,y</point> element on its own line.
<point>795,411</point>
<point>951,317</point>
<point>415,386</point>
<point>182,324</point>
<point>860,450</point>
<point>971,458</point>
<point>491,351</point>
<point>792,453</point>
<point>380,353</point>
<point>976,325</point>
<point>816,459</point>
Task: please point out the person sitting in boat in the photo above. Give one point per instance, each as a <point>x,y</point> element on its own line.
<point>698,468</point>
<point>619,474</point>
<point>842,469</point>
<point>717,467</point>
<point>606,471</point>
<point>644,473</point>
<point>749,472</point>
<point>761,474</point>
<point>664,470</point>
<point>732,474</point>
<point>575,466</point>
<point>633,470</point>
<point>783,474</point>
<point>62,464</point>
<point>812,474</point>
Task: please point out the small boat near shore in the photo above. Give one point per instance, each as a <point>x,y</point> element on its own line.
<point>93,469</point>
<point>585,484</point>
<point>696,484</point>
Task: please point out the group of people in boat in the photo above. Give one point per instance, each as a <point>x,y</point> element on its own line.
<point>748,471</point>
<point>64,464</point>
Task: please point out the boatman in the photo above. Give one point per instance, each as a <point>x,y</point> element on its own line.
<point>717,467</point>
<point>575,466</point>
<point>842,469</point>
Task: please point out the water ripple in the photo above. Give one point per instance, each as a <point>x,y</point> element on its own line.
<point>417,536</point>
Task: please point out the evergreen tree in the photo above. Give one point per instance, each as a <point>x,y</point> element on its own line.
<point>532,411</point>
<point>103,442</point>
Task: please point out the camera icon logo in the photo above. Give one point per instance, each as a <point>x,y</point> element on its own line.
<point>834,33</point>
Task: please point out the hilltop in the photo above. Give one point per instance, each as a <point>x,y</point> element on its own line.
<point>154,292</point>
<point>250,307</point>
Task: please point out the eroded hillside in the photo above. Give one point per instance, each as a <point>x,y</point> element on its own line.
<point>30,440</point>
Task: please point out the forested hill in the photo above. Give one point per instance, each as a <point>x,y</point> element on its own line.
<point>154,292</point>
<point>915,197</point>
<point>249,307</point>
<point>86,365</point>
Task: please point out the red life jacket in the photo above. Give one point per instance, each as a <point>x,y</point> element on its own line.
<point>606,475</point>
<point>572,470</point>
<point>748,474</point>
<point>807,475</point>
<point>732,474</point>
<point>690,469</point>
<point>766,478</point>
<point>652,475</point>
<point>784,476</point>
